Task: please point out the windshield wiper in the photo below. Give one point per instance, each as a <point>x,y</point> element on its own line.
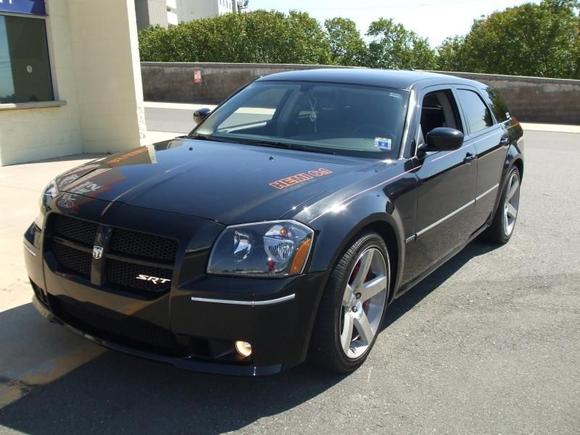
<point>267,143</point>
<point>286,145</point>
<point>206,137</point>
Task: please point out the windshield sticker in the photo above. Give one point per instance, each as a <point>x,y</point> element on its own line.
<point>302,177</point>
<point>383,143</point>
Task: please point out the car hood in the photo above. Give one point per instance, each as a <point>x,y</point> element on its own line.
<point>224,182</point>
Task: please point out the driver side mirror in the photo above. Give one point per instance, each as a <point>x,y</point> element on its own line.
<point>442,139</point>
<point>200,115</point>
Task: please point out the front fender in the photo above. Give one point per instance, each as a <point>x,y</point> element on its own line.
<point>336,228</point>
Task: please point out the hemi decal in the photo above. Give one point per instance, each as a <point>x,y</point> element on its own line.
<point>302,177</point>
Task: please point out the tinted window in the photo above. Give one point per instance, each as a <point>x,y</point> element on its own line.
<point>500,109</point>
<point>439,110</point>
<point>477,115</point>
<point>355,120</point>
<point>258,110</point>
<point>24,65</point>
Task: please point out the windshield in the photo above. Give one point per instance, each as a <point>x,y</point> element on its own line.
<point>323,117</point>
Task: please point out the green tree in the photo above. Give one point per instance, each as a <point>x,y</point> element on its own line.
<point>532,39</point>
<point>394,47</point>
<point>450,55</point>
<point>260,36</point>
<point>346,44</point>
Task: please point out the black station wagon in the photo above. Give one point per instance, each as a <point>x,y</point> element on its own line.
<point>284,225</point>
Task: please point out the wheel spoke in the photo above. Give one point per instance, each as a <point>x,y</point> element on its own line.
<point>505,220</point>
<point>365,265</point>
<point>346,297</point>
<point>347,330</point>
<point>363,327</point>
<point>513,188</point>
<point>368,280</point>
<point>511,211</point>
<point>373,287</point>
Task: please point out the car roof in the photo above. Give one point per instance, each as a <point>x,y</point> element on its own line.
<point>397,79</point>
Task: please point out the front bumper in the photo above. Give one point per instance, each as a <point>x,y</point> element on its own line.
<point>180,362</point>
<point>194,325</point>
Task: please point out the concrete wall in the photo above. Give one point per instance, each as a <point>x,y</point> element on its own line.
<point>96,75</point>
<point>530,99</point>
<point>173,82</point>
<point>536,99</point>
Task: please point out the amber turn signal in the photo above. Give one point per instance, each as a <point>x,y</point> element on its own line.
<point>300,257</point>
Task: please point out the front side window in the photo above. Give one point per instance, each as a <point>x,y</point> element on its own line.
<point>24,65</point>
<point>346,119</point>
<point>477,115</point>
<point>439,110</point>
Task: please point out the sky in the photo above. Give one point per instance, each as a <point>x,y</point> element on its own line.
<point>432,19</point>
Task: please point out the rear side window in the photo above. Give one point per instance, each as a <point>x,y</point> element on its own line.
<point>477,115</point>
<point>500,109</point>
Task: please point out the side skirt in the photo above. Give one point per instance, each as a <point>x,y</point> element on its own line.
<point>408,286</point>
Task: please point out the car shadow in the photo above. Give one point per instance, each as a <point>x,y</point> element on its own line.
<point>118,393</point>
<point>408,300</point>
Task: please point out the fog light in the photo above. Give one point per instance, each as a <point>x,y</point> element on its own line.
<point>243,348</point>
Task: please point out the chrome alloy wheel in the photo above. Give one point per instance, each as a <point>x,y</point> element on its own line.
<point>363,302</point>
<point>511,204</point>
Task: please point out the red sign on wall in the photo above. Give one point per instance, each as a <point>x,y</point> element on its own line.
<point>197,77</point>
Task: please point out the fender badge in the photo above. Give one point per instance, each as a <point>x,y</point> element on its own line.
<point>302,177</point>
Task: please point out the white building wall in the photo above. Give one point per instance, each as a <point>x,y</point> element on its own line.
<point>188,10</point>
<point>108,74</point>
<point>35,134</point>
<point>95,63</point>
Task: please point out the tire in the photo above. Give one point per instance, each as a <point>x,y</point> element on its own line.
<point>505,218</point>
<point>336,345</point>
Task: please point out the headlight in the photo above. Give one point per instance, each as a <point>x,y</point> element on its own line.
<point>49,192</point>
<point>265,249</point>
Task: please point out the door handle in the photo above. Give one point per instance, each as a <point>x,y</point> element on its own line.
<point>505,140</point>
<point>469,158</point>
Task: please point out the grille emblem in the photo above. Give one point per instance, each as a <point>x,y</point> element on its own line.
<point>153,279</point>
<point>97,252</point>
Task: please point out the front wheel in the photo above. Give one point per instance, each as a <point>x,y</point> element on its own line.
<point>353,306</point>
<point>504,221</point>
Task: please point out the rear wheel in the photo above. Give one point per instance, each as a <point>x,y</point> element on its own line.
<point>504,221</point>
<point>353,306</point>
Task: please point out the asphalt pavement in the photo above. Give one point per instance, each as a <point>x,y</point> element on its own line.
<point>489,343</point>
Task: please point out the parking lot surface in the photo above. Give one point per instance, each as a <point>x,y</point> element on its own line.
<point>490,343</point>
